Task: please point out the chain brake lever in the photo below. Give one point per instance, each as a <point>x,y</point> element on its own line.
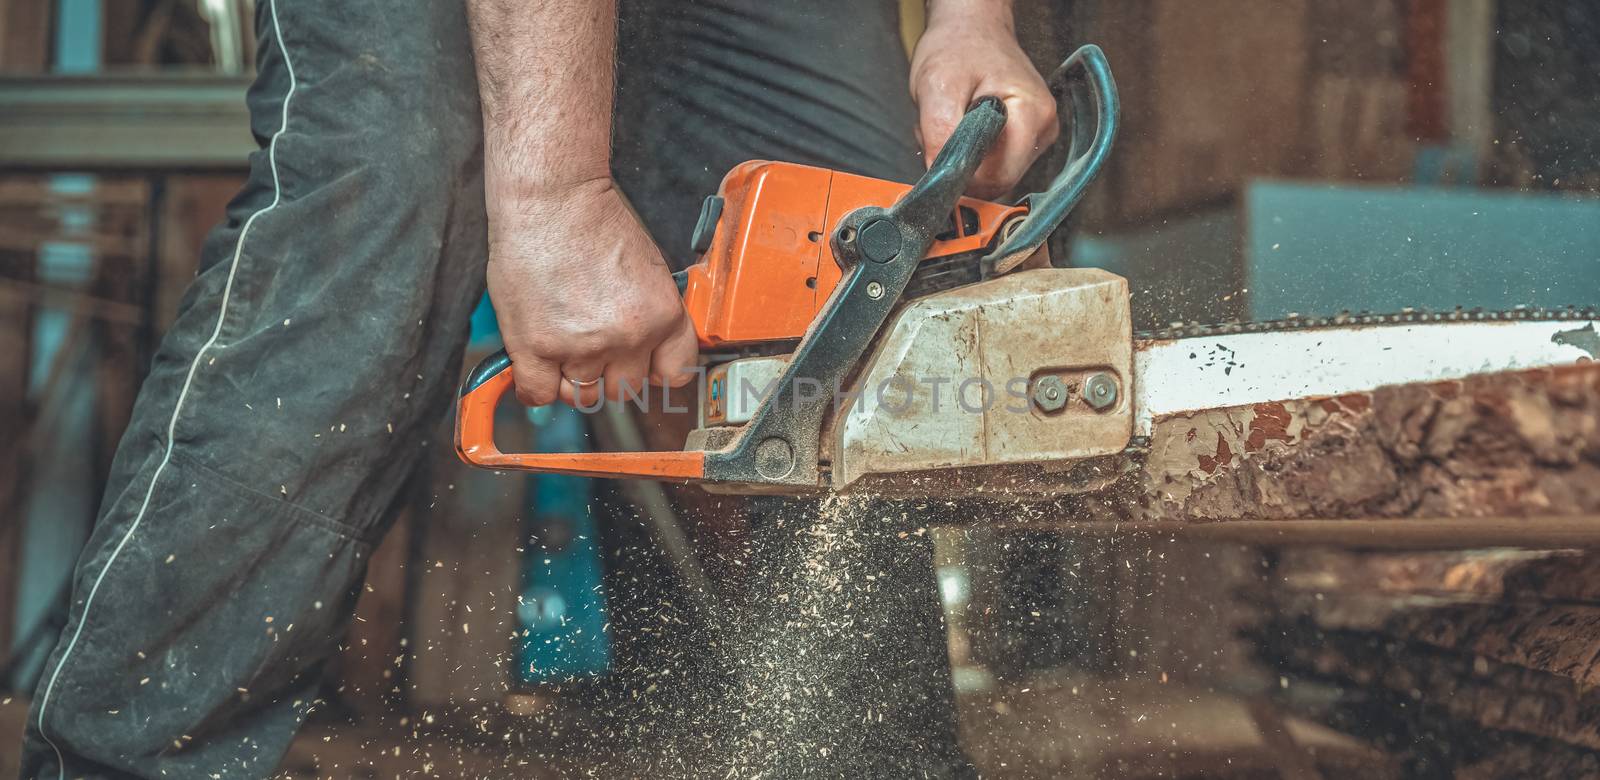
<point>1085,78</point>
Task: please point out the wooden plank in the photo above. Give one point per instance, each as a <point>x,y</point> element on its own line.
<point>119,29</point>
<point>1221,93</point>
<point>194,203</point>
<point>16,291</point>
<point>25,35</point>
<point>1509,459</point>
<point>1212,95</point>
<point>1469,56</point>
<point>32,192</point>
<point>1422,533</point>
<point>13,719</point>
<point>1496,648</point>
<point>165,122</point>
<point>1427,115</point>
<point>16,360</point>
<point>24,48</point>
<point>119,364</point>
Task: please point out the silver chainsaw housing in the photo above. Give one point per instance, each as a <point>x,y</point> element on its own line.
<point>985,346</point>
<point>949,389</point>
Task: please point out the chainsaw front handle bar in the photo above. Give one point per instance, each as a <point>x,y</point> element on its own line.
<point>780,444</point>
<point>1085,79</point>
<point>933,198</point>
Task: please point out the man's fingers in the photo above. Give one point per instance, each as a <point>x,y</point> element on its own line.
<point>939,115</point>
<point>581,396</point>
<point>1004,166</point>
<point>674,360</point>
<point>1031,127</point>
<point>626,378</point>
<point>538,380</point>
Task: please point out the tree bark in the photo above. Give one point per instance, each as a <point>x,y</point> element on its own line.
<point>1518,444</point>
<point>1468,663</point>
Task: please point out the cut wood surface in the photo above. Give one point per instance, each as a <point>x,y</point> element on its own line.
<point>1517,444</point>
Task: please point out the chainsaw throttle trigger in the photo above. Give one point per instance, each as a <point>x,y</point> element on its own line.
<point>481,392</point>
<point>1085,79</point>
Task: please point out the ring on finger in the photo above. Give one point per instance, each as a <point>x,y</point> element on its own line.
<point>582,382</point>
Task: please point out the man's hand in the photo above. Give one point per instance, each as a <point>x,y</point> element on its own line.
<point>969,51</point>
<point>582,293</point>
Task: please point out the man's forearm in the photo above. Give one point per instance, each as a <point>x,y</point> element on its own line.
<point>546,79</point>
<point>986,10</point>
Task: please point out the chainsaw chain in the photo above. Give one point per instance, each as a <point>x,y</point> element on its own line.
<point>1181,330</point>
<point>947,273</point>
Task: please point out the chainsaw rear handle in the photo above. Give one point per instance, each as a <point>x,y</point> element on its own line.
<point>916,217</point>
<point>481,392</point>
<point>1085,77</point>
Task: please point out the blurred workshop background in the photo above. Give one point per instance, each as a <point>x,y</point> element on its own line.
<point>1277,158</point>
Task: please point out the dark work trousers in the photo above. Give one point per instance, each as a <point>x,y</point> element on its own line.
<point>319,345</point>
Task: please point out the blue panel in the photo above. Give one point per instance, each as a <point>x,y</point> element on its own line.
<point>563,608</point>
<point>1319,250</point>
<point>77,36</point>
<point>484,329</point>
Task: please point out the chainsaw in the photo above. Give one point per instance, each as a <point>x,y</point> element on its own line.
<point>871,336</point>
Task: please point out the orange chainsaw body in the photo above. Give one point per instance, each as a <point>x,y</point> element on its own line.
<point>770,265</point>
<point>811,264</point>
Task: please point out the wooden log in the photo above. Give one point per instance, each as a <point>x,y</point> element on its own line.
<point>1467,664</point>
<point>1439,711</point>
<point>1517,444</point>
<point>1494,654</point>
